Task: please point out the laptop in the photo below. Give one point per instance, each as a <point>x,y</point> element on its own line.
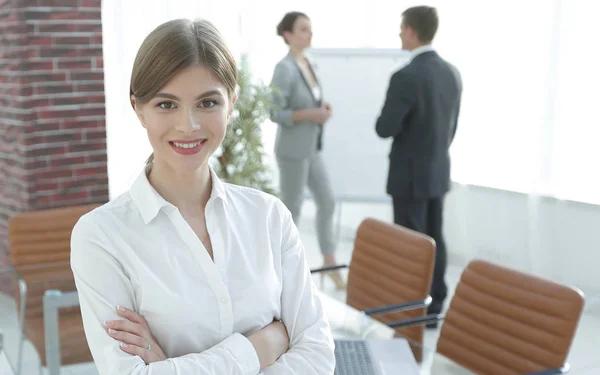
<point>374,357</point>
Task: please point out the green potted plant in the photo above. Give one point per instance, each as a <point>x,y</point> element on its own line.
<point>240,158</point>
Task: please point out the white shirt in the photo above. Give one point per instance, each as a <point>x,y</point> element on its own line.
<point>138,251</point>
<point>316,89</point>
<point>419,50</point>
<point>317,93</point>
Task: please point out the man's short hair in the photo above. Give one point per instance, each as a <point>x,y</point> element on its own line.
<point>423,20</point>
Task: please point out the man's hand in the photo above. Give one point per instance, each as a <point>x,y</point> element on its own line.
<point>270,343</point>
<point>135,336</point>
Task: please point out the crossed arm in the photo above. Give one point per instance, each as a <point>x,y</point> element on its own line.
<point>302,319</point>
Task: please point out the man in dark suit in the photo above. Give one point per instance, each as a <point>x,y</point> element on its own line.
<point>420,113</point>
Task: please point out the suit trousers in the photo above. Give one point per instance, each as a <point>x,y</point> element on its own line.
<point>294,176</point>
<point>425,216</point>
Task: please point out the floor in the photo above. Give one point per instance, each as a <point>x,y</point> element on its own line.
<point>584,357</point>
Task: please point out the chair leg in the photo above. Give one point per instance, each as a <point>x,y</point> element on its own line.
<point>53,301</point>
<point>22,307</point>
<point>51,332</point>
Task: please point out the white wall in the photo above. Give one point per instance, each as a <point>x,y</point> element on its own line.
<point>557,239</point>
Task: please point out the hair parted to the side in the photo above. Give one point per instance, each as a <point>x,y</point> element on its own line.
<point>423,20</point>
<point>174,46</point>
<point>287,23</point>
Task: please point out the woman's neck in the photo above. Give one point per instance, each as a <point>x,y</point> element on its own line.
<point>298,53</point>
<point>183,190</point>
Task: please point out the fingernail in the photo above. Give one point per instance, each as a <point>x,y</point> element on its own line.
<point>123,345</point>
<point>112,331</point>
<point>120,308</point>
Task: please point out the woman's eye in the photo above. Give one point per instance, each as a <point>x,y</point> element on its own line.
<point>209,103</point>
<point>166,105</point>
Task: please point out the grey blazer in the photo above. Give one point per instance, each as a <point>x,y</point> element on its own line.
<point>293,92</point>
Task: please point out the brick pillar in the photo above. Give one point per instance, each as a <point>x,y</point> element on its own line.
<point>52,117</point>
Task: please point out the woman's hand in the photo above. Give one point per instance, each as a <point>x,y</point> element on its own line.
<point>135,336</point>
<point>270,343</point>
<point>321,115</point>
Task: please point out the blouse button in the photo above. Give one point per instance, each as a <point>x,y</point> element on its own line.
<point>224,300</point>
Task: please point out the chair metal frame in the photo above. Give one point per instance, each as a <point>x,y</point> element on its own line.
<point>53,300</point>
<point>407,306</point>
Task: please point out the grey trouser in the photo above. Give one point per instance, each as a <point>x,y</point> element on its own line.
<point>294,175</point>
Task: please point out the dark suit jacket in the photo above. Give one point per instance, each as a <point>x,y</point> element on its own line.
<point>420,113</point>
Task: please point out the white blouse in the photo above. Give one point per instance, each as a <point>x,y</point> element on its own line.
<point>137,251</point>
<point>317,92</point>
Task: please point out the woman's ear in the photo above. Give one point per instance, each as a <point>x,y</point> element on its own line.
<point>286,36</point>
<point>232,105</point>
<point>138,110</point>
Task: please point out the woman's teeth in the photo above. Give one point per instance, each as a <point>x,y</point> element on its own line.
<point>186,145</point>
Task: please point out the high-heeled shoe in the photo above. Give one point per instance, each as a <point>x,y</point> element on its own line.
<point>336,277</point>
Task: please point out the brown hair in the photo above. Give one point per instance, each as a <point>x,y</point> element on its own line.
<point>287,23</point>
<point>423,20</point>
<point>176,45</point>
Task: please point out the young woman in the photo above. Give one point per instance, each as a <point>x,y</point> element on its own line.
<point>185,274</point>
<point>301,114</point>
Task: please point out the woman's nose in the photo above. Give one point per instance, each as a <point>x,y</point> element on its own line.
<point>189,122</point>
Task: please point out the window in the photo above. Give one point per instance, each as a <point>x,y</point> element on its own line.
<point>575,149</point>
<point>529,119</point>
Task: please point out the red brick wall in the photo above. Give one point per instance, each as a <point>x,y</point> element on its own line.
<point>52,116</point>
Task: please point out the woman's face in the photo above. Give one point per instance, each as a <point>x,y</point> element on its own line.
<point>186,120</point>
<point>301,35</point>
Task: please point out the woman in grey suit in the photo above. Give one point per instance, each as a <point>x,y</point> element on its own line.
<point>301,113</point>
